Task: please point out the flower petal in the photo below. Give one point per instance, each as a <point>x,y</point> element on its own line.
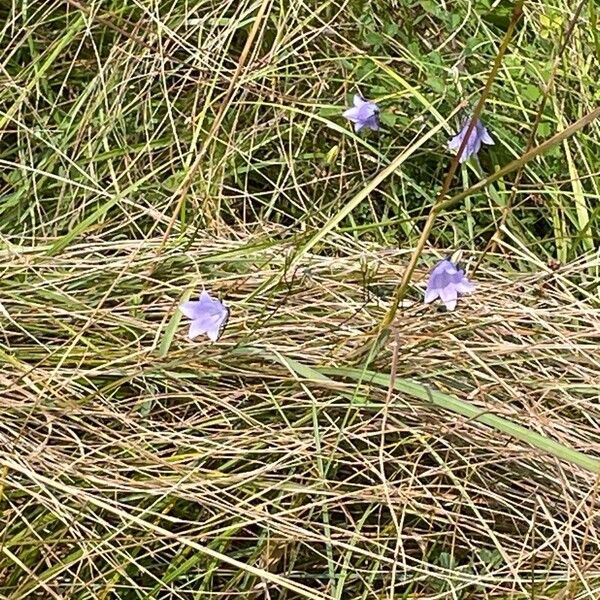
<point>351,114</point>
<point>478,135</point>
<point>464,287</point>
<point>208,316</point>
<point>216,325</point>
<point>450,304</point>
<point>196,328</point>
<point>456,141</point>
<point>362,114</point>
<point>372,122</point>
<point>191,309</point>
<point>431,295</point>
<point>474,145</point>
<point>447,281</point>
<point>442,278</point>
<point>449,297</point>
<point>486,138</point>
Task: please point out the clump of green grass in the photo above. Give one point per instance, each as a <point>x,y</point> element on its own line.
<point>152,149</point>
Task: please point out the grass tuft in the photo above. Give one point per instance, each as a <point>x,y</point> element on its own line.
<point>153,149</point>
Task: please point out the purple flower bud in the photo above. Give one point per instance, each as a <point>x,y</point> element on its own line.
<point>209,316</point>
<point>479,135</point>
<point>447,281</point>
<point>363,114</point>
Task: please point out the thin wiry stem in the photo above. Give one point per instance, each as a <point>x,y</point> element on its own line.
<point>507,209</point>
<point>439,201</point>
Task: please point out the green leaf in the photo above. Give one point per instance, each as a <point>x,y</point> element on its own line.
<point>453,404</point>
<point>532,92</point>
<point>171,329</point>
<point>437,84</point>
<point>388,118</point>
<point>374,39</point>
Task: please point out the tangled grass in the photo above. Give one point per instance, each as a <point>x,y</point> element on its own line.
<point>149,149</point>
<point>217,470</point>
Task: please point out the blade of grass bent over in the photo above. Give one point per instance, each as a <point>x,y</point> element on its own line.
<point>455,405</point>
<point>364,192</point>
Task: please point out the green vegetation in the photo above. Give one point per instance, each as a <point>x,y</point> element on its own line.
<point>150,149</point>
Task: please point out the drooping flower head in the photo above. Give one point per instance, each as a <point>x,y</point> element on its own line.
<point>479,135</point>
<point>209,316</point>
<point>447,281</point>
<point>363,114</point>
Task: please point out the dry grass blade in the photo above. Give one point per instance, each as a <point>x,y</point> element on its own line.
<point>153,149</point>
<point>220,476</point>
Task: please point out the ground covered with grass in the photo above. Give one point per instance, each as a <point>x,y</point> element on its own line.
<point>326,446</point>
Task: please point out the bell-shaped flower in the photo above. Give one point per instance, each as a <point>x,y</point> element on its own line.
<point>363,114</point>
<point>479,135</point>
<point>209,316</point>
<point>447,281</point>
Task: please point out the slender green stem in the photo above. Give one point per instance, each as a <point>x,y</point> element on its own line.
<point>506,211</point>
<point>442,205</point>
<point>519,162</point>
<point>438,204</point>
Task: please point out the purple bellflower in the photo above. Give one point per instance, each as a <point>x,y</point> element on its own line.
<point>363,114</point>
<point>479,135</point>
<point>447,281</point>
<point>209,316</point>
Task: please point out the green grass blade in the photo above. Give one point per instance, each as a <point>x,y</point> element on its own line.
<point>455,405</point>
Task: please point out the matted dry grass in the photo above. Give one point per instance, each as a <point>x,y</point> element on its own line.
<point>139,466</point>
